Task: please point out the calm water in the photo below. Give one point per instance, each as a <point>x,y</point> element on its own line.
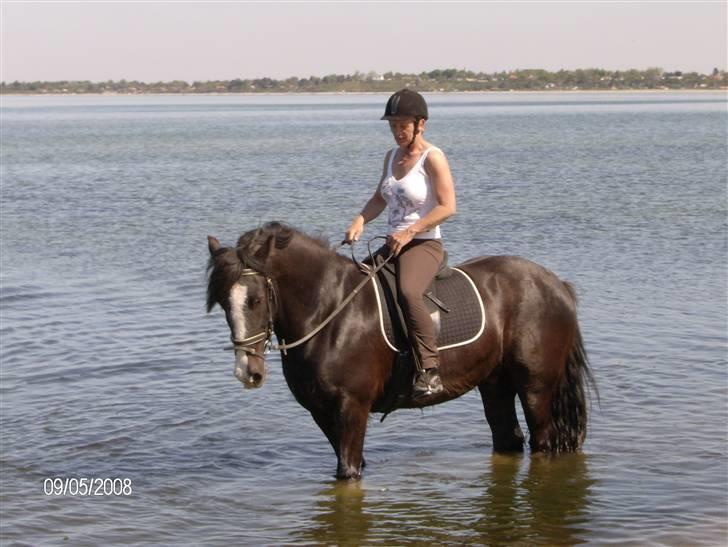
<point>111,368</point>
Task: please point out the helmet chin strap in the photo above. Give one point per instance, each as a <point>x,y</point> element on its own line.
<point>415,133</point>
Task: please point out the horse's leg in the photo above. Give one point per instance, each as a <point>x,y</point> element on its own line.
<point>536,403</point>
<point>536,392</point>
<point>554,403</point>
<point>499,402</point>
<point>353,416</point>
<point>326,422</point>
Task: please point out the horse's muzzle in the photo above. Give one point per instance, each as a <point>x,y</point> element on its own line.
<point>250,371</point>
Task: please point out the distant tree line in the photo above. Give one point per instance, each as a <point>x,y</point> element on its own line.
<point>436,80</point>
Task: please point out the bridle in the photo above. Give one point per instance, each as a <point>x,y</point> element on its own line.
<point>272,300</point>
<point>246,344</point>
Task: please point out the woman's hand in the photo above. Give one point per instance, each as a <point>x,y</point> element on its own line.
<point>355,230</point>
<point>398,240</point>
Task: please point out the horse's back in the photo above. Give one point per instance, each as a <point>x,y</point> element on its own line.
<point>522,298</point>
<point>517,274</point>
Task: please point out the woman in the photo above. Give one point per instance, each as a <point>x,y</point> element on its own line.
<point>417,186</point>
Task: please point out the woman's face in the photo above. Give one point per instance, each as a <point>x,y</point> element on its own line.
<point>403,130</point>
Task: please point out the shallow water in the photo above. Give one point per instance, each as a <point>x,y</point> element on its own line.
<point>111,368</point>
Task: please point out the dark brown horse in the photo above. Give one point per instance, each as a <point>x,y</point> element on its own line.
<point>278,279</point>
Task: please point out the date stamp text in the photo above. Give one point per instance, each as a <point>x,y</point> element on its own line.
<point>73,486</point>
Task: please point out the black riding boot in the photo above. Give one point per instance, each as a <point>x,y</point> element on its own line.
<point>427,382</point>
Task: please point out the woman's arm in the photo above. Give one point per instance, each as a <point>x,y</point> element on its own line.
<point>371,210</point>
<point>438,169</point>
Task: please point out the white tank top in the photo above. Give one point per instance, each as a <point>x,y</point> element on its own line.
<point>409,198</point>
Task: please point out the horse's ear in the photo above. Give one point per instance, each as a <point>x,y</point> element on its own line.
<point>213,244</point>
<point>267,248</point>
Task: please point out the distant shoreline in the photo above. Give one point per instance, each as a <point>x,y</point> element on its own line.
<point>448,80</point>
<point>335,93</point>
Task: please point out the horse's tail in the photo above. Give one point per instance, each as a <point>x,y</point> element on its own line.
<point>569,405</point>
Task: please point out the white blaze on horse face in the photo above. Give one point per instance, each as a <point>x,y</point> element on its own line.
<point>238,295</point>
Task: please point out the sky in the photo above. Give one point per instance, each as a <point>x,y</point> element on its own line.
<point>193,41</point>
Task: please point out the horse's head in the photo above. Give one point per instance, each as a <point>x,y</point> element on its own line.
<point>238,282</point>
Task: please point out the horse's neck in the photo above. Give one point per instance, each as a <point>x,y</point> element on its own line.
<point>310,284</point>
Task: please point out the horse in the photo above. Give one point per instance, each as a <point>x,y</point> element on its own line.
<point>280,280</point>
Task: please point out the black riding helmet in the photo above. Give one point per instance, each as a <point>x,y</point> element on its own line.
<point>406,103</point>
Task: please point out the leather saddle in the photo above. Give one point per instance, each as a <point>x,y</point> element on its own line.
<point>455,306</point>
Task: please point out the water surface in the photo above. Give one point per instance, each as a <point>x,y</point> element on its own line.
<point>111,368</point>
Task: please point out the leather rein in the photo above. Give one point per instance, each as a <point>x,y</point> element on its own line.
<point>266,335</point>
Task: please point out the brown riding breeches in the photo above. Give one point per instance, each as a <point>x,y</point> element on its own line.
<point>417,266</point>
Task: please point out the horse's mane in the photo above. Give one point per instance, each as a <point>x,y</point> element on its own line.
<point>227,263</point>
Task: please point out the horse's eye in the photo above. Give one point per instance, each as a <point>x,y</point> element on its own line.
<point>252,301</point>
